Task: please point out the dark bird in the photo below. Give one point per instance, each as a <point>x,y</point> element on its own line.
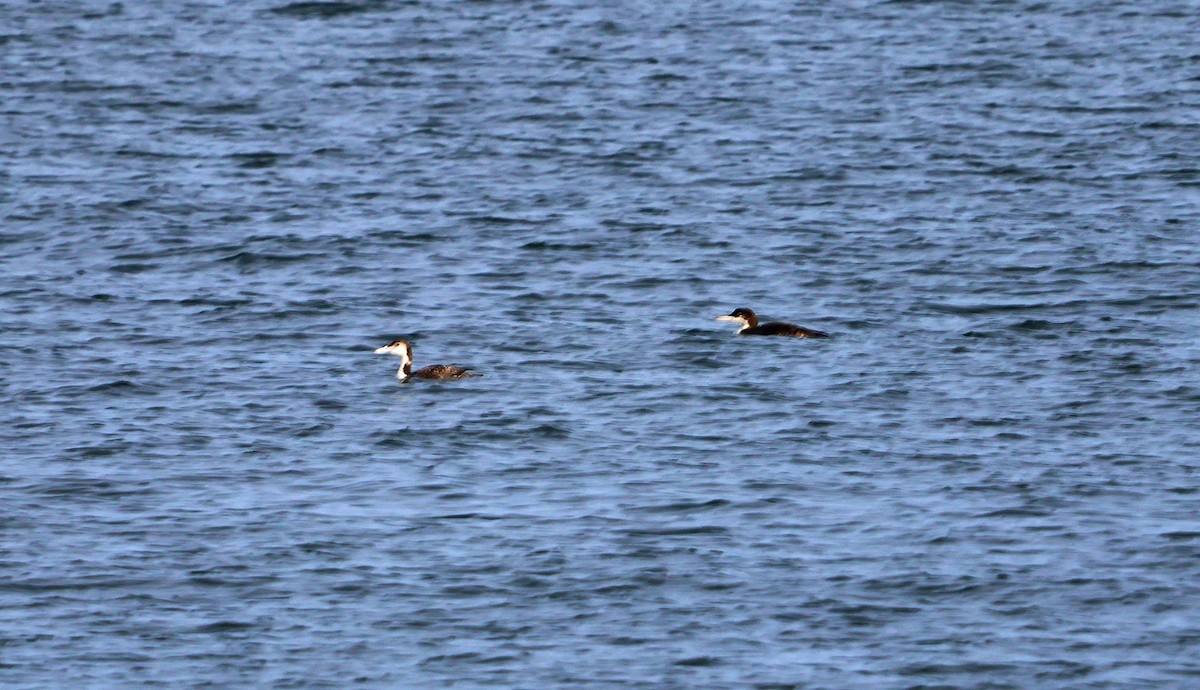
<point>750,326</point>
<point>442,372</point>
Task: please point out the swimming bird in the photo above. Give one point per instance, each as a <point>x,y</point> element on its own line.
<point>442,372</point>
<point>750,326</point>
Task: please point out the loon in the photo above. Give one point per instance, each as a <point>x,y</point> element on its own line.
<point>750,326</point>
<point>403,350</point>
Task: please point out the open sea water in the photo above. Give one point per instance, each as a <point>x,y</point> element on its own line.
<point>212,213</point>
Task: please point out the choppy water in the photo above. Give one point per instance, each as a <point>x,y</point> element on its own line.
<point>213,212</point>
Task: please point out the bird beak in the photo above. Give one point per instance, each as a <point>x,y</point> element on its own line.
<point>383,350</point>
<point>729,318</point>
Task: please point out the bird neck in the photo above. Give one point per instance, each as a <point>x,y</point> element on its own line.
<point>405,367</point>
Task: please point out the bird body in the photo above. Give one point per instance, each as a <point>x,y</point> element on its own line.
<point>441,372</point>
<point>750,326</point>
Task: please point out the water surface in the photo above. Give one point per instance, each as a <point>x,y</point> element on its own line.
<point>213,212</point>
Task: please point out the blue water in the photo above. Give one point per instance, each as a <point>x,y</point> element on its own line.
<point>214,212</point>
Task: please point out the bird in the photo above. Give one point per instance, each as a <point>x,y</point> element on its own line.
<point>750,326</point>
<point>441,372</point>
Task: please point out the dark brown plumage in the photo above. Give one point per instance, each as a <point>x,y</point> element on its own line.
<point>442,371</point>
